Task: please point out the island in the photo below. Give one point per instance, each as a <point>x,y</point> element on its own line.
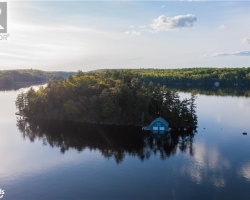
<point>117,97</point>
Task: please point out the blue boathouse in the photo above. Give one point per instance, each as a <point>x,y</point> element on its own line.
<point>159,125</point>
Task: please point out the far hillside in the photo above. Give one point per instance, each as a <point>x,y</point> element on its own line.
<point>206,77</point>
<point>234,81</point>
<point>8,78</point>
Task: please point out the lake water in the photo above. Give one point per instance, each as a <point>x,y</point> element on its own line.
<point>47,161</point>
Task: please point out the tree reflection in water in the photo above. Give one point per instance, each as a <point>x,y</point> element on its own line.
<point>110,140</point>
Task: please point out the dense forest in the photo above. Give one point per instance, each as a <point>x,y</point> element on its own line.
<point>8,78</point>
<point>206,77</point>
<point>208,81</point>
<point>202,77</point>
<point>109,97</point>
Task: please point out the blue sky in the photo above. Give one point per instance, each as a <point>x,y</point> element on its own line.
<point>86,35</point>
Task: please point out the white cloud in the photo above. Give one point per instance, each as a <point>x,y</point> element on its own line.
<point>163,23</point>
<point>132,32</point>
<point>246,40</point>
<point>238,53</point>
<point>222,27</point>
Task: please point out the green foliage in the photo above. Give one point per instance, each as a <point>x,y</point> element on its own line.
<point>227,77</point>
<point>8,78</point>
<point>232,81</point>
<point>110,97</point>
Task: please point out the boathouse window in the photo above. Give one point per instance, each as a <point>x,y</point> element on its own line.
<point>159,124</point>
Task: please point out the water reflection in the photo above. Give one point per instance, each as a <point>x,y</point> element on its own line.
<point>207,165</point>
<point>17,86</point>
<point>170,143</point>
<point>244,171</point>
<point>111,141</point>
<point>214,91</point>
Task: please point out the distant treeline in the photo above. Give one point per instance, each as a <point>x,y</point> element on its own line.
<point>10,77</point>
<point>109,97</point>
<point>204,77</point>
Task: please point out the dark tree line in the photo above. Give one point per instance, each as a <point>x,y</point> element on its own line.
<point>197,77</point>
<point>9,78</point>
<point>109,97</point>
<point>205,77</point>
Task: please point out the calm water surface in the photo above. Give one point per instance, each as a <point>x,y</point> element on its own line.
<point>44,161</point>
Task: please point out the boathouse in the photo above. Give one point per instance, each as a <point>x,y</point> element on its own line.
<point>159,125</point>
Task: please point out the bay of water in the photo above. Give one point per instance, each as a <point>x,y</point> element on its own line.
<point>49,161</point>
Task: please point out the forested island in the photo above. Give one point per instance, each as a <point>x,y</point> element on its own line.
<point>110,97</point>
<point>13,78</point>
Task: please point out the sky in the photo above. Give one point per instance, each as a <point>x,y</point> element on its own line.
<point>88,35</point>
